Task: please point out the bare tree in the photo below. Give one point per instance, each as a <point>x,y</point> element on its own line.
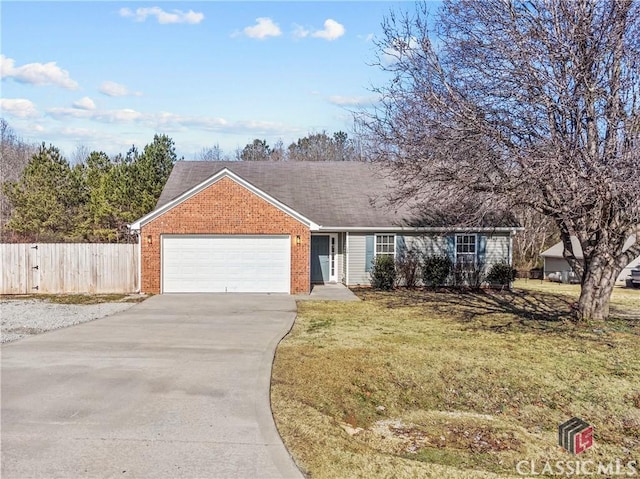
<point>322,147</point>
<point>529,104</point>
<point>540,232</point>
<point>80,154</point>
<point>14,152</point>
<point>278,152</point>
<point>213,153</point>
<point>15,155</point>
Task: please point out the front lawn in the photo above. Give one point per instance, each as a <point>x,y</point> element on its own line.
<point>453,385</point>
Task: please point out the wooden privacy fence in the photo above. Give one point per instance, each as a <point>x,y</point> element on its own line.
<point>68,268</point>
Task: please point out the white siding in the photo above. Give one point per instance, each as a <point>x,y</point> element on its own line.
<point>356,253</point>
<point>497,251</point>
<point>431,245</point>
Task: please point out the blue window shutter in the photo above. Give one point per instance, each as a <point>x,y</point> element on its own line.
<point>401,246</point>
<point>482,249</point>
<point>369,252</point>
<point>451,247</point>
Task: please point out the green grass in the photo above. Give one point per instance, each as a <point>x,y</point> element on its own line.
<point>448,384</point>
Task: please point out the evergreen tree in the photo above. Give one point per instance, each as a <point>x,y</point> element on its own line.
<point>151,170</point>
<point>46,199</point>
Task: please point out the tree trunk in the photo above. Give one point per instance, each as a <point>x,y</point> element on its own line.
<point>595,295</point>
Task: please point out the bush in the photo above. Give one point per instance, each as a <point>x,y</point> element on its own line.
<point>468,274</point>
<point>383,273</point>
<point>408,268</point>
<point>501,274</point>
<point>435,270</point>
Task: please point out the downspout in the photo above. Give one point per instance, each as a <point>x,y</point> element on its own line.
<point>511,249</point>
<point>511,256</point>
<point>139,261</point>
<point>346,258</point>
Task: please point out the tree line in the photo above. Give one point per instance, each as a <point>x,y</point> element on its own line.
<point>92,197</point>
<point>313,147</point>
<point>46,197</point>
<point>90,201</point>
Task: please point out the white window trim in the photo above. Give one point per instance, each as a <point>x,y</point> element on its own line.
<point>375,245</point>
<point>455,247</point>
<point>333,257</point>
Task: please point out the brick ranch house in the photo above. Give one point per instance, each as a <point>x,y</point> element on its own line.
<point>281,227</point>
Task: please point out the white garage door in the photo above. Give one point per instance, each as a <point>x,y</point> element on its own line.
<point>219,264</point>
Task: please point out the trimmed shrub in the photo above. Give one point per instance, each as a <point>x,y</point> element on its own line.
<point>408,268</point>
<point>383,274</point>
<point>435,270</point>
<point>501,274</point>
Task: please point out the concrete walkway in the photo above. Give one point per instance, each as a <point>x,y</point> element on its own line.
<point>175,387</point>
<point>328,292</point>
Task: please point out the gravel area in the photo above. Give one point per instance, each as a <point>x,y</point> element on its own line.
<point>27,317</point>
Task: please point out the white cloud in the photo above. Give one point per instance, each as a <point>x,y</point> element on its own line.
<point>300,32</point>
<point>175,16</point>
<point>79,133</point>
<point>36,73</point>
<point>111,88</point>
<point>172,122</point>
<point>106,116</point>
<point>263,28</point>
<point>257,127</point>
<point>352,100</point>
<point>18,107</point>
<point>84,103</point>
<point>69,137</point>
<point>332,30</point>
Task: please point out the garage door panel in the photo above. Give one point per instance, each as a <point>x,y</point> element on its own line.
<point>226,264</point>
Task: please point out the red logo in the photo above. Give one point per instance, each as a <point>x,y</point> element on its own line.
<point>575,435</point>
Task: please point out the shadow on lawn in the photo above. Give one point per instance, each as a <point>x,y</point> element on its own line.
<point>498,310</point>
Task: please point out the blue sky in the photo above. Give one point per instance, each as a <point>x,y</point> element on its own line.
<point>107,75</point>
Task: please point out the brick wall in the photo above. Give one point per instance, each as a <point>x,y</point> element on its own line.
<point>225,207</point>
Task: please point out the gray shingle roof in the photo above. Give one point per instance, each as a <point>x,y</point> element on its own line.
<point>331,194</point>
<point>328,193</point>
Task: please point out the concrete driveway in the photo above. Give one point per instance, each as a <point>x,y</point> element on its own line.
<point>175,387</point>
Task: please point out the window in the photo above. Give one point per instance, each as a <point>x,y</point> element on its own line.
<point>386,245</point>
<point>466,248</point>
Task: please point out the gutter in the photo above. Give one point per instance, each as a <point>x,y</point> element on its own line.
<point>414,229</point>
